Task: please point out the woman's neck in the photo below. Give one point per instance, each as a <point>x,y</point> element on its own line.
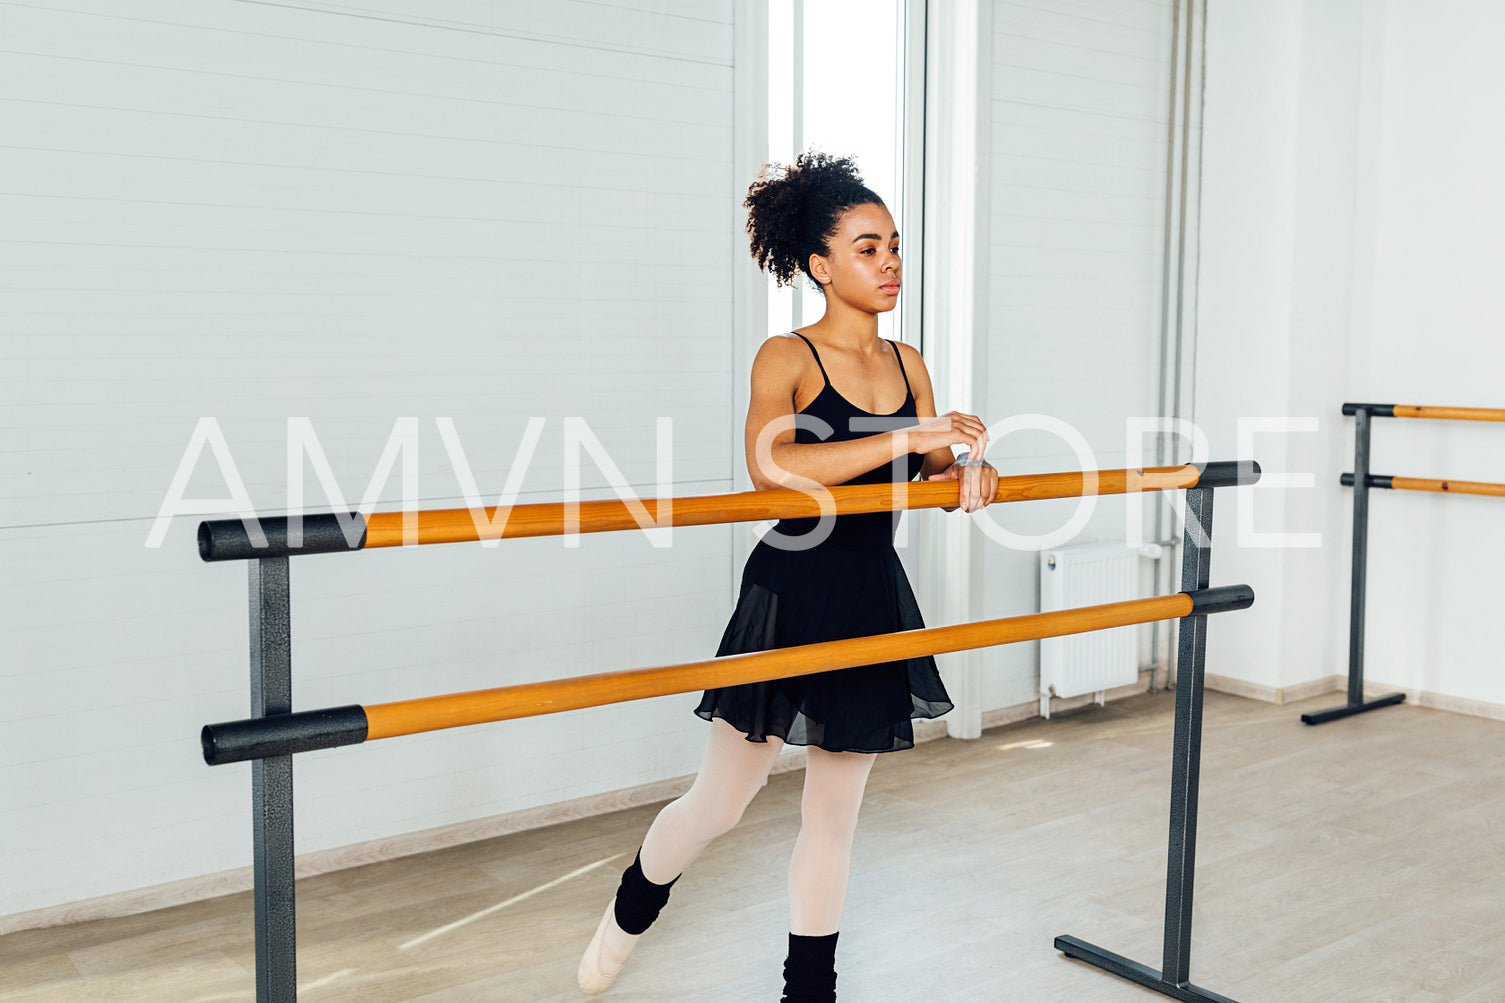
<point>846,327</point>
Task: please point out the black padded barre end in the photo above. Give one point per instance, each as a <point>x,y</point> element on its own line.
<point>229,540</point>
<point>1377,410</point>
<point>1221,599</point>
<point>1227,473</point>
<point>1375,480</point>
<point>283,734</point>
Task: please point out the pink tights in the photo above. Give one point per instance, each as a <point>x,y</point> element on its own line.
<point>731,773</point>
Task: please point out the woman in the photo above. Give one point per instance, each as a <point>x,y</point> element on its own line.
<point>810,580</point>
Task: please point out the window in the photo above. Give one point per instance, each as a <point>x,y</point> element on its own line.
<point>837,83</point>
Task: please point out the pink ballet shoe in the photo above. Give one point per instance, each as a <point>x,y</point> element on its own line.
<point>599,967</point>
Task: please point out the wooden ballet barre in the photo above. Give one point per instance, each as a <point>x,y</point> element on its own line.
<point>275,733</point>
<point>305,731</point>
<point>1426,411</point>
<point>1361,480</point>
<point>1451,487</point>
<point>322,533</point>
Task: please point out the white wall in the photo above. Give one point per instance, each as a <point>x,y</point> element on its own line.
<point>1077,155</point>
<point>1433,336</point>
<point>250,211</point>
<point>1351,226</point>
<point>1263,224</point>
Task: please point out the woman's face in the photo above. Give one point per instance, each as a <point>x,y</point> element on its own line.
<point>863,267</point>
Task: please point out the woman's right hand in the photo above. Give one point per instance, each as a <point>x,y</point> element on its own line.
<point>947,429</point>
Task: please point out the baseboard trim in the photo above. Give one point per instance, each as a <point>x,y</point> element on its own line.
<point>1000,716</point>
<point>1060,705</point>
<point>1274,694</point>
<point>1372,688</point>
<point>240,879</point>
<point>1441,701</point>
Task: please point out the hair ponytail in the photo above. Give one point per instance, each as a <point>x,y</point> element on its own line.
<point>793,211</point>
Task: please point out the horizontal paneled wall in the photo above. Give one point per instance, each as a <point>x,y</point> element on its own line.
<point>354,214</point>
<point>1079,132</point>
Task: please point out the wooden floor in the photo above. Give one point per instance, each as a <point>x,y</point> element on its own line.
<point>1362,860</point>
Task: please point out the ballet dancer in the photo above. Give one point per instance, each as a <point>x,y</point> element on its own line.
<point>831,403</point>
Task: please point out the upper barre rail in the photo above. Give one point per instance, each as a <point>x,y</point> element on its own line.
<point>1449,486</point>
<point>1352,408</point>
<point>322,533</point>
<point>330,727</point>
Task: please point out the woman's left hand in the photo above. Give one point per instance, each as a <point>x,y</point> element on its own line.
<point>979,483</point>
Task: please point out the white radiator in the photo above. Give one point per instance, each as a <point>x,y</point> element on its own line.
<point>1087,575</point>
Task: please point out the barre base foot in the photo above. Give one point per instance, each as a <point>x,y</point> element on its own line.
<point>1348,710</point>
<point>1148,977</point>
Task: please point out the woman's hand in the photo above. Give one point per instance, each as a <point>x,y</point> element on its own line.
<point>952,427</point>
<point>979,483</point>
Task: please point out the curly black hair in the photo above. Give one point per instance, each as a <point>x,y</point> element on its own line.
<point>793,211</point>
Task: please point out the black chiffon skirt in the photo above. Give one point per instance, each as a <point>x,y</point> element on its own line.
<point>827,593</point>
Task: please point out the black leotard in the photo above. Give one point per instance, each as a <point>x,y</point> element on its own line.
<point>851,584</point>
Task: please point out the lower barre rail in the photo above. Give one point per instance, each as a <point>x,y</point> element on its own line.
<point>327,728</point>
<point>284,734</point>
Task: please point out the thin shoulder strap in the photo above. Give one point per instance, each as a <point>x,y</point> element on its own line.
<point>823,373</point>
<point>901,366</point>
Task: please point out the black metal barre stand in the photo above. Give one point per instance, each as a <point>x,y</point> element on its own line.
<point>1362,482</point>
<point>272,764</point>
<point>1173,978</point>
<point>271,749</point>
<point>271,753</point>
<point>272,785</point>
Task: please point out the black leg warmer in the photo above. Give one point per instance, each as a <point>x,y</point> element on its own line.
<point>638,899</point>
<point>810,972</point>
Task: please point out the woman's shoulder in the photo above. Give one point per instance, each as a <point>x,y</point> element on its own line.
<point>782,361</point>
<point>782,373</point>
<point>910,356</point>
<point>784,350</point>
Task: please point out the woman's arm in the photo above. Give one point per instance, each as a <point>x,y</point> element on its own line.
<point>774,459</point>
<point>982,483</point>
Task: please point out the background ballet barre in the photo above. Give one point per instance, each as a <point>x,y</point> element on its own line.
<point>1361,480</point>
